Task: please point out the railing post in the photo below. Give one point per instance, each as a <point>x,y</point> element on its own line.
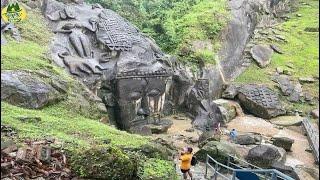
<point>274,176</point>
<point>265,175</point>
<point>216,174</point>
<point>207,159</point>
<point>233,175</point>
<point>228,163</point>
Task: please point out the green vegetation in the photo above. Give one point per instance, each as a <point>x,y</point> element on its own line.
<point>30,54</point>
<point>301,50</point>
<point>157,169</point>
<point>176,24</point>
<point>71,129</point>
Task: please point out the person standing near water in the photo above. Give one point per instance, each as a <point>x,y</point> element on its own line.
<point>186,157</point>
<point>233,135</point>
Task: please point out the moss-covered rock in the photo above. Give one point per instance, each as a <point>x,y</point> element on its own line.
<point>104,163</point>
<point>155,150</point>
<point>217,150</point>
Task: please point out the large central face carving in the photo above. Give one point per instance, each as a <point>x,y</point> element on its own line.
<point>138,99</point>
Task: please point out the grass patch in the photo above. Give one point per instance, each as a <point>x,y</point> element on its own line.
<point>157,169</point>
<point>72,129</point>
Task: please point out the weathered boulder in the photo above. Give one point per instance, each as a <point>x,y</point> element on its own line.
<point>307,80</point>
<point>289,88</point>
<point>283,142</point>
<point>306,173</point>
<point>284,84</point>
<point>247,139</point>
<point>160,127</point>
<point>217,150</point>
<point>265,155</point>
<point>207,136</point>
<point>260,101</point>
<point>261,54</point>
<point>276,49</point>
<point>158,148</point>
<point>315,113</point>
<point>231,91</point>
<point>228,109</point>
<point>287,121</point>
<point>28,90</point>
<point>285,170</point>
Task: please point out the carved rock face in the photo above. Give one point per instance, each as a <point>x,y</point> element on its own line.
<point>139,98</point>
<point>98,45</point>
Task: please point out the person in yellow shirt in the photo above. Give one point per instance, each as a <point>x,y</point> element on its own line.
<point>186,157</point>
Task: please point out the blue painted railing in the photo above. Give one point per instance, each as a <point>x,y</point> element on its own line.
<point>235,173</point>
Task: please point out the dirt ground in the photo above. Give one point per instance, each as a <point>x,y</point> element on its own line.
<point>244,124</point>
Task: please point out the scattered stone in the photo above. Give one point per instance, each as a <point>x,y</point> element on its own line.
<point>299,15</point>
<point>190,130</point>
<point>284,84</point>
<point>309,150</point>
<point>229,109</point>
<point>287,72</point>
<point>282,38</point>
<point>59,85</point>
<point>307,97</point>
<point>288,88</point>
<point>245,139</point>
<point>296,93</point>
<point>285,17</point>
<point>307,80</point>
<point>311,29</point>
<point>265,155</point>
<point>276,49</point>
<point>283,142</point>
<point>315,113</point>
<point>144,130</point>
<point>279,70</point>
<point>179,118</point>
<point>29,119</point>
<point>290,65</point>
<point>306,173</point>
<point>9,149</point>
<point>217,150</point>
<point>205,137</point>
<point>287,121</point>
<point>34,160</point>
<point>160,127</point>
<point>261,54</point>
<point>230,92</point>
<point>285,169</point>
<point>194,140</point>
<point>7,131</point>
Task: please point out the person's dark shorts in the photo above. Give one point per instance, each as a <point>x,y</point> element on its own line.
<point>184,171</point>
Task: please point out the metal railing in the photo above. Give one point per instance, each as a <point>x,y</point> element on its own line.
<point>313,138</point>
<point>267,174</point>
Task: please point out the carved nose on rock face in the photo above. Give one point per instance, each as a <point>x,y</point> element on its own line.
<point>143,112</point>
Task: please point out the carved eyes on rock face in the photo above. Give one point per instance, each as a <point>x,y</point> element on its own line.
<point>135,96</point>
<point>153,93</point>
